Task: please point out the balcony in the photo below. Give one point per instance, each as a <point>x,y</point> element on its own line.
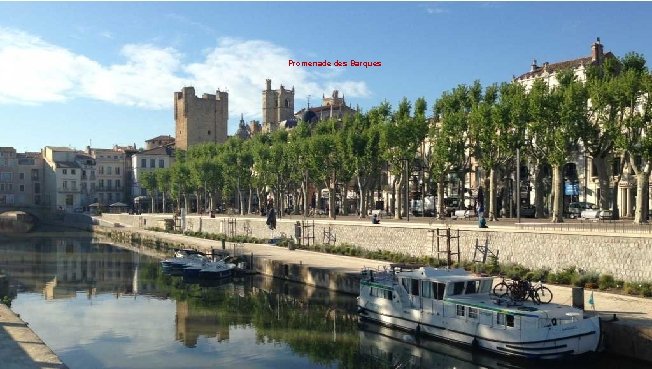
<point>68,190</point>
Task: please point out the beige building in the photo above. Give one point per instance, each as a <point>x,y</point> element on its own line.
<point>110,175</point>
<point>62,177</point>
<point>200,120</point>
<point>278,106</point>
<point>21,178</point>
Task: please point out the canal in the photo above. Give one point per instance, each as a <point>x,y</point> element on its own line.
<point>102,306</point>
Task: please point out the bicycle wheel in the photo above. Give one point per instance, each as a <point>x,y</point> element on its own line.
<point>500,289</point>
<point>544,294</point>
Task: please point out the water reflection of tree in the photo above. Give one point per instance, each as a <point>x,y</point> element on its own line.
<point>322,332</point>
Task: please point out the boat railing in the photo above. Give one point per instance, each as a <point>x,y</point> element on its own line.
<point>379,274</point>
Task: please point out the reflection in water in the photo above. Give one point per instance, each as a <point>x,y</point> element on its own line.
<point>101,306</point>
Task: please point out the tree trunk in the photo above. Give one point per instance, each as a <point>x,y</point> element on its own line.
<point>398,185</point>
<point>603,178</point>
<point>642,184</point>
<point>249,200</point>
<point>361,194</point>
<point>558,186</point>
<point>163,210</point>
<point>440,199</point>
<point>538,190</point>
<point>492,194</point>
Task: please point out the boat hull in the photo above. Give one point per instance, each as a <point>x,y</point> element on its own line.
<point>555,342</point>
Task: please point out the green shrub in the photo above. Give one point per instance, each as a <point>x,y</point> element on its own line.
<point>606,281</point>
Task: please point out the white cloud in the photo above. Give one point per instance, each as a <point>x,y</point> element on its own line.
<point>39,72</point>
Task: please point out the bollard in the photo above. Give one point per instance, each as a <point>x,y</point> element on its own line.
<point>223,244</point>
<point>578,297</point>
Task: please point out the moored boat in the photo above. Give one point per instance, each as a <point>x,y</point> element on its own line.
<point>455,305</point>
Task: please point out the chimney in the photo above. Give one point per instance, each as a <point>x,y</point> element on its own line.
<point>534,66</point>
<point>269,84</point>
<point>596,51</point>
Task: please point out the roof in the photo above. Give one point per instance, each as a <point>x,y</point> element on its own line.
<point>60,148</point>
<point>66,164</point>
<point>556,67</point>
<point>161,138</point>
<point>161,150</point>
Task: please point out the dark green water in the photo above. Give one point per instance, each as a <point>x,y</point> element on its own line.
<point>100,306</point>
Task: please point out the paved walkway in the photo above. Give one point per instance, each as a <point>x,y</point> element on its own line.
<point>20,347</point>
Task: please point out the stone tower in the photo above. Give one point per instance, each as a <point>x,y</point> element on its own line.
<point>278,105</point>
<point>200,120</point>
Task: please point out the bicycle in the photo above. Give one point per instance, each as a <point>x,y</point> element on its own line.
<point>542,293</point>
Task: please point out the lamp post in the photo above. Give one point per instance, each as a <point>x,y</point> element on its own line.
<point>407,190</point>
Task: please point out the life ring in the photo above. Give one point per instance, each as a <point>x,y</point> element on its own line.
<point>553,321</point>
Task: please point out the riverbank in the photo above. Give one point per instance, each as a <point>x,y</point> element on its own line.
<point>20,347</point>
<point>629,335</point>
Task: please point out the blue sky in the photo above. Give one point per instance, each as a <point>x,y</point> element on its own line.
<point>104,73</point>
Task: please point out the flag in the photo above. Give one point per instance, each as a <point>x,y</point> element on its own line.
<point>591,302</point>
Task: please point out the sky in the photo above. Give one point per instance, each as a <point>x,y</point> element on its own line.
<point>104,73</point>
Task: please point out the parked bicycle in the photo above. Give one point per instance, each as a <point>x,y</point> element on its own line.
<point>520,290</point>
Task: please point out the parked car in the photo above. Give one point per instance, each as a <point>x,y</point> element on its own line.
<point>575,209</point>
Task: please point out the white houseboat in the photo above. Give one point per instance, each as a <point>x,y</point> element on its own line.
<point>455,305</point>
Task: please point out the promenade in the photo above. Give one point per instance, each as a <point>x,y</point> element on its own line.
<point>627,320</point>
<point>20,347</point>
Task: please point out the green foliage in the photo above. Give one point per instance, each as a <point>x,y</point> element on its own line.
<point>565,276</point>
<point>606,281</point>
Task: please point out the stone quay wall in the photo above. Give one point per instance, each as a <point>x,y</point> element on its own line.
<point>625,256</point>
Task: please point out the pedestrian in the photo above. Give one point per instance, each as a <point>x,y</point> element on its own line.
<point>374,219</point>
<point>482,222</point>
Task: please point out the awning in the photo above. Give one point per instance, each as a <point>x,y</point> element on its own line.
<point>118,205</point>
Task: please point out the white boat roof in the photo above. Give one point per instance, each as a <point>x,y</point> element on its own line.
<point>526,308</point>
<point>443,275</point>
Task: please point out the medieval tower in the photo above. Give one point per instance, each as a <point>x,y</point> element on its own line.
<point>278,105</point>
<point>200,120</point>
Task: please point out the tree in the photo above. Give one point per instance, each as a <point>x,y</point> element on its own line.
<point>634,88</point>
<point>148,182</point>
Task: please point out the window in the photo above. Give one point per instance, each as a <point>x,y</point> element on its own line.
<point>117,170</point>
<point>65,171</point>
<point>426,289</point>
<point>69,200</point>
<point>109,183</point>
<point>92,186</point>
<point>37,200</point>
<point>143,163</point>
<point>110,197</point>
<point>379,292</point>
<point>22,188</point>
<point>439,289</point>
<point>72,171</point>
<point>117,184</point>
<point>21,176</point>
<point>83,186</point>
<point>500,319</point>
<point>458,288</point>
<point>472,287</point>
<point>73,185</point>
<point>108,170</point>
<point>473,313</point>
<point>161,163</point>
<point>65,185</point>
<point>510,320</point>
<point>460,310</point>
<point>34,174</point>
<point>414,290</point>
<point>152,163</point>
<point>209,133</point>
<point>101,184</point>
<point>100,170</point>
<point>37,187</point>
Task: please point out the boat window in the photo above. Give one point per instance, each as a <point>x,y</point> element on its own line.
<point>439,288</point>
<point>406,283</point>
<point>473,313</point>
<point>485,286</point>
<point>458,288</point>
<point>500,319</point>
<point>415,287</point>
<point>510,320</point>
<point>460,310</point>
<point>472,287</point>
<point>426,289</point>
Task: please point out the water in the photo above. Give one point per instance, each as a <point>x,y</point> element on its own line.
<point>101,306</point>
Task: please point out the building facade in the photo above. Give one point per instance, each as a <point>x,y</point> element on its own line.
<point>278,106</point>
<point>200,120</point>
<point>62,177</point>
<point>333,107</point>
<point>111,175</point>
<point>148,161</point>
